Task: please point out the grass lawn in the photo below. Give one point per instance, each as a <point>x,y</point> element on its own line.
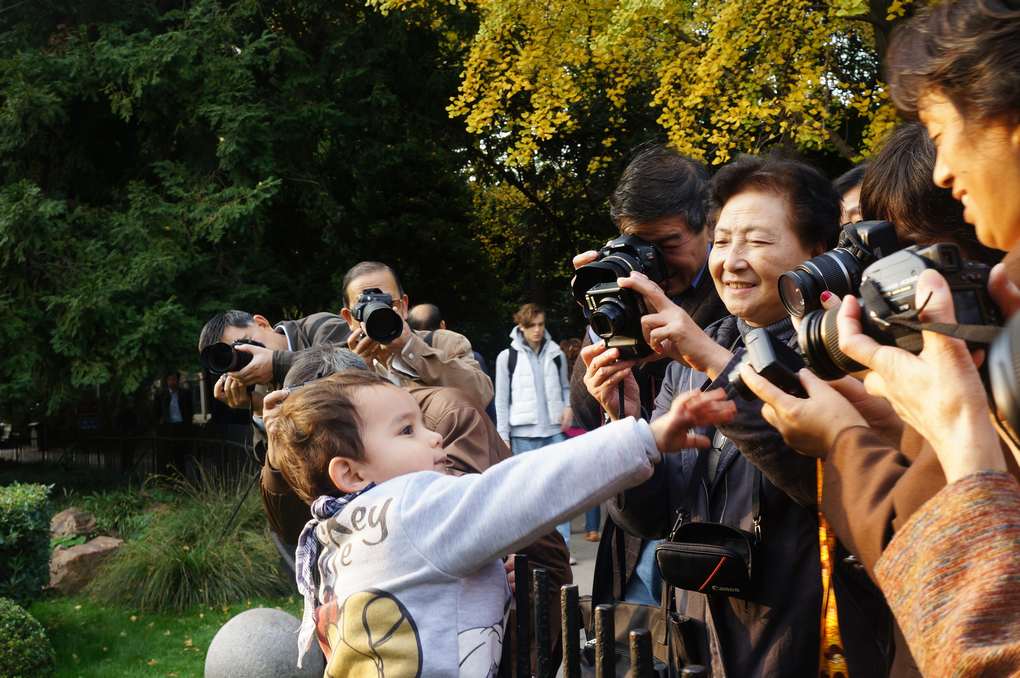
<point>110,642</point>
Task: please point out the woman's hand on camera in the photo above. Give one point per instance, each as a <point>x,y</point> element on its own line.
<point>938,392</point>
<point>809,425</point>
<point>603,374</point>
<point>672,431</point>
<point>671,332</point>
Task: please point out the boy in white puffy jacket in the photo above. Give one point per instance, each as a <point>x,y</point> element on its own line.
<point>398,576</point>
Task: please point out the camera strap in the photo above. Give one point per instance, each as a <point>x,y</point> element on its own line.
<point>881,314</point>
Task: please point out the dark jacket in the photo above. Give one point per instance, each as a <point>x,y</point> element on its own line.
<point>619,551</point>
<point>778,633</point>
<point>314,330</point>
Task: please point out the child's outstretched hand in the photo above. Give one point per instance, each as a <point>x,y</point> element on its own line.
<point>693,408</point>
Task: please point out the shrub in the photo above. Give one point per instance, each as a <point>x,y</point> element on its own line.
<point>183,557</point>
<point>25,651</point>
<point>24,540</point>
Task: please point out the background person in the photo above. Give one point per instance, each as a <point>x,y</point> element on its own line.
<point>533,390</point>
<point>446,359</point>
<point>848,185</point>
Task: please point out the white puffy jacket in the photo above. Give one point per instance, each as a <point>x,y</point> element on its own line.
<point>517,401</point>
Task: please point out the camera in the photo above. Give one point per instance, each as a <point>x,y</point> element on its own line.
<point>838,270</point>
<point>1003,370</point>
<point>614,313</point>
<point>374,310</point>
<point>220,358</point>
<point>887,291</point>
<point>773,360</point>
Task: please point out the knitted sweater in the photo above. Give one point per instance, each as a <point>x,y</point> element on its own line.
<point>952,578</point>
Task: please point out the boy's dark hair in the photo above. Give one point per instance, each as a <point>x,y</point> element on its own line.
<point>966,50</point>
<point>212,332</point>
<point>853,177</point>
<point>322,361</point>
<point>814,203</point>
<point>658,182</point>
<point>316,423</point>
<point>364,268</point>
<point>898,188</point>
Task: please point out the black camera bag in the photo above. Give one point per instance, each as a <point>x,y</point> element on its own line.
<point>712,558</point>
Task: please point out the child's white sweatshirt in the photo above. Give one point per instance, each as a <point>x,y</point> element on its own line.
<point>411,582</point>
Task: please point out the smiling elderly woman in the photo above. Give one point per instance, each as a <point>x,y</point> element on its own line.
<point>769,215</point>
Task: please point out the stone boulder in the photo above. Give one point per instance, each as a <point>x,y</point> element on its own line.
<point>71,522</point>
<point>72,568</point>
<point>261,643</point>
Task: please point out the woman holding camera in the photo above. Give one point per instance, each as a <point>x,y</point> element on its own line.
<point>949,570</point>
<point>770,214</point>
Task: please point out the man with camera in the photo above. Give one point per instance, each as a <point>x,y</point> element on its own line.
<point>375,308</point>
<point>659,205</point>
<point>261,353</point>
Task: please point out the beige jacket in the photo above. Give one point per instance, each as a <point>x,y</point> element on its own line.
<point>446,360</point>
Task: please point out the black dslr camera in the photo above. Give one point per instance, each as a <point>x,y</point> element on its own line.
<point>838,270</point>
<point>887,292</point>
<point>374,310</point>
<point>773,360</point>
<point>614,313</point>
<point>220,358</point>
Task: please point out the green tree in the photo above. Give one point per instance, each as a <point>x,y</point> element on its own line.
<point>163,160</point>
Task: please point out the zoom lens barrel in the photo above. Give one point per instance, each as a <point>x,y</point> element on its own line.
<point>609,319</point>
<point>818,339</point>
<point>220,358</point>
<point>381,322</point>
<point>837,271</point>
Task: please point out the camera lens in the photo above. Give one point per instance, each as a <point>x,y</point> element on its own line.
<point>609,319</point>
<point>838,271</point>
<point>220,358</point>
<point>382,323</point>
<point>818,339</point>
<point>1004,372</point>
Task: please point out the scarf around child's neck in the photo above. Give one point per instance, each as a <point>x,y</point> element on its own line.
<point>306,559</point>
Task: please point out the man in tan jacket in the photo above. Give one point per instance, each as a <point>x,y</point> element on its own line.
<point>438,358</point>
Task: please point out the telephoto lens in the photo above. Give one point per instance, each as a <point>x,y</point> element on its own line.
<point>818,339</point>
<point>838,270</point>
<point>374,310</point>
<point>220,358</point>
<point>1004,373</point>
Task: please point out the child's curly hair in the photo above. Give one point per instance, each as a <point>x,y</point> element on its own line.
<point>316,423</point>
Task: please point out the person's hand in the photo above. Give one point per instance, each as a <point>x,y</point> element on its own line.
<point>259,370</point>
<point>231,391</point>
<point>672,431</point>
<point>584,258</point>
<point>879,414</point>
<point>398,344</point>
<point>566,419</point>
<point>938,392</point>
<point>1004,293</point>
<point>809,425</point>
<point>367,348</point>
<point>671,332</point>
<point>604,371</point>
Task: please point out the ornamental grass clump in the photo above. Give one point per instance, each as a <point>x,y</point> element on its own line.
<point>183,557</point>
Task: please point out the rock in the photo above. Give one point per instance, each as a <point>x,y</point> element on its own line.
<point>71,522</point>
<point>261,643</point>
<point>71,569</point>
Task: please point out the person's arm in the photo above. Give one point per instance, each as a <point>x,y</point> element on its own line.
<point>949,577</point>
<point>330,330</point>
<point>461,523</point>
<point>763,445</point>
<point>448,362</point>
<point>870,488</point>
<point>503,395</point>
